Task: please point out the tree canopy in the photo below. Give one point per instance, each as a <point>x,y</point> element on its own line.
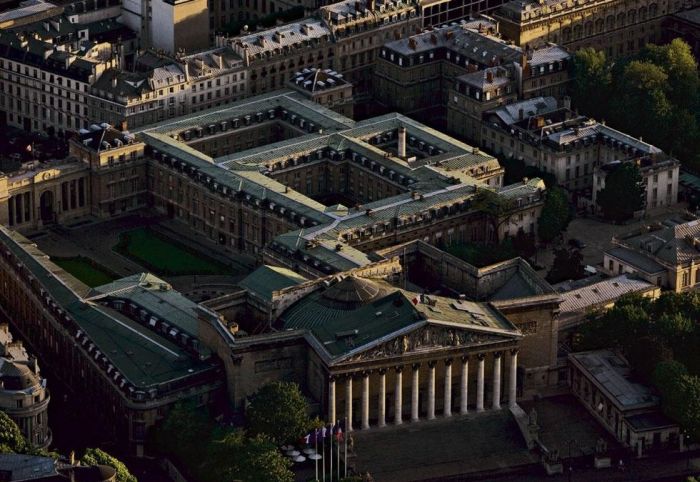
<point>623,193</point>
<point>655,95</point>
<point>658,338</point>
<point>100,457</point>
<point>555,214</point>
<point>568,265</point>
<point>279,411</point>
<point>11,438</point>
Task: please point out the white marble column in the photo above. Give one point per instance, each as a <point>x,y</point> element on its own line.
<point>431,390</point>
<point>464,387</point>
<point>365,401</point>
<point>447,404</point>
<point>398,396</point>
<point>480,383</point>
<point>381,406</point>
<point>348,402</point>
<point>496,405</point>
<point>513,379</point>
<point>415,394</point>
<point>331,400</point>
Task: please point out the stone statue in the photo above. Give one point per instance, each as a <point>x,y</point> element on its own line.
<point>532,417</point>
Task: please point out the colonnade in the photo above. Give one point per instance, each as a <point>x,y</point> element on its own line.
<point>430,409</point>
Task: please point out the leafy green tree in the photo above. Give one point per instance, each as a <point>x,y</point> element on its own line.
<point>676,59</point>
<point>280,411</point>
<point>184,434</point>
<point>555,215</point>
<point>590,89</point>
<point>234,457</point>
<point>11,438</point>
<point>623,192</point>
<point>568,265</point>
<point>100,457</point>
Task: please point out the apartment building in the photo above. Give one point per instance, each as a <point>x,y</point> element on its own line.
<point>46,72</point>
<point>449,76</point>
<point>614,26</point>
<point>325,87</point>
<point>577,150</point>
<point>165,87</point>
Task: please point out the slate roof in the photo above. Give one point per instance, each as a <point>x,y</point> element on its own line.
<point>601,293</point>
<point>672,244</point>
<point>638,260</point>
<point>612,374</point>
<point>510,113</point>
<point>354,313</point>
<point>143,357</point>
<point>266,279</point>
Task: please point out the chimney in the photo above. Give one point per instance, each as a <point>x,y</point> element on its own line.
<point>402,142</point>
<point>412,43</point>
<point>433,39</point>
<point>566,101</point>
<point>357,6</point>
<point>123,126</point>
<point>114,81</point>
<point>489,76</point>
<point>521,114</point>
<point>372,5</point>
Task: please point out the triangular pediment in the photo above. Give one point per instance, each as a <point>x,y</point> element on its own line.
<point>426,338</point>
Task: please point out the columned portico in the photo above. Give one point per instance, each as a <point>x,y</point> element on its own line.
<point>496,405</point>
<point>415,393</point>
<point>348,402</point>
<point>365,401</point>
<point>331,400</point>
<point>464,387</point>
<point>480,382</point>
<point>381,405</point>
<point>431,390</point>
<point>398,398</point>
<point>513,378</point>
<point>447,403</point>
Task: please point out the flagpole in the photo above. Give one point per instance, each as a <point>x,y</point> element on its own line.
<point>346,449</point>
<point>323,455</point>
<point>338,450</point>
<point>330,445</point>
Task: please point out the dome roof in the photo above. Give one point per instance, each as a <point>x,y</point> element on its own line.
<point>352,292</point>
<point>17,376</point>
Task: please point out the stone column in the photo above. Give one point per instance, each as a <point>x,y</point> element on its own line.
<point>381,408</point>
<point>331,400</point>
<point>513,378</point>
<point>415,393</point>
<point>431,390</point>
<point>348,402</point>
<point>398,396</point>
<point>365,401</point>
<point>447,404</point>
<point>480,383</point>
<point>464,387</point>
<point>496,381</point>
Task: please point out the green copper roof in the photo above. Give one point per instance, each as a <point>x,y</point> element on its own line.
<point>266,279</point>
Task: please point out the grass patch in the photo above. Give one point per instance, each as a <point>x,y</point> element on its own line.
<point>166,257</point>
<point>86,270</point>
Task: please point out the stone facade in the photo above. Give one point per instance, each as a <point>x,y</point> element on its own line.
<point>615,27</point>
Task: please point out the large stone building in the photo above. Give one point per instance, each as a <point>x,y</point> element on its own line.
<point>577,150</point>
<point>46,69</point>
<point>23,393</point>
<point>686,25</point>
<point>449,76</point>
<point>665,254</point>
<point>120,361</point>
<point>615,27</point>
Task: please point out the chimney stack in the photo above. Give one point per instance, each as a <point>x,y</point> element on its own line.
<point>114,81</point>
<point>402,142</point>
<point>521,113</point>
<point>489,76</point>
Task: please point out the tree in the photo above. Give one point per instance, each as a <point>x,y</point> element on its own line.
<point>256,460</point>
<point>555,215</point>
<point>280,411</point>
<point>184,433</point>
<point>11,438</point>
<point>590,89</point>
<point>497,209</point>
<point>100,457</point>
<point>623,192</point>
<point>567,266</point>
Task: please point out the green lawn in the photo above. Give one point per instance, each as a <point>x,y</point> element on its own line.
<point>164,256</point>
<point>86,270</point>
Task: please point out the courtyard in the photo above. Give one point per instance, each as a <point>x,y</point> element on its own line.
<point>86,270</point>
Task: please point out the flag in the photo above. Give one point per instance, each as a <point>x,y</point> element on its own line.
<point>415,300</point>
<point>339,434</point>
<point>324,431</point>
<point>306,438</point>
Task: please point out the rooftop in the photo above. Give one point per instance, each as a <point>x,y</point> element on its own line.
<point>601,293</point>
<point>674,243</point>
<point>267,279</point>
<point>612,375</point>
